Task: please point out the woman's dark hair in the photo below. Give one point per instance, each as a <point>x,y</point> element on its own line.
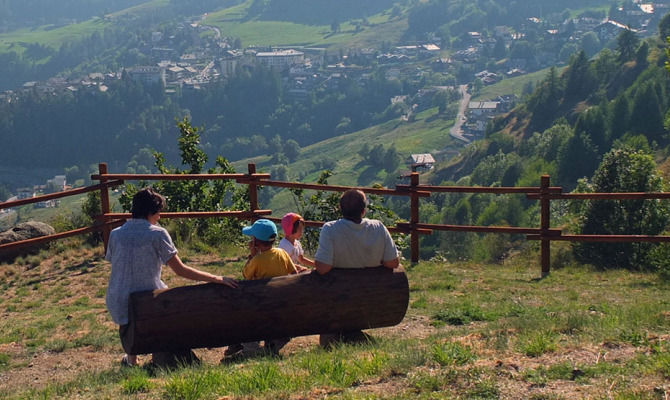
<point>147,202</point>
<point>352,205</point>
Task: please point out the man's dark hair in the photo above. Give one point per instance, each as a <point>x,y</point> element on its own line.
<point>147,202</point>
<point>352,205</point>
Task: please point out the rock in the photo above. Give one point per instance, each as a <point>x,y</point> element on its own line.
<point>24,231</point>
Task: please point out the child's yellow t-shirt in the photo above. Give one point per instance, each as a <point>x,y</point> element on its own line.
<point>268,264</point>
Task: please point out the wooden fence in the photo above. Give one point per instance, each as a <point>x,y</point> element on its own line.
<point>414,190</point>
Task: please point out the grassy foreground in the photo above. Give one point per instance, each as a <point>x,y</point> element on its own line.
<point>471,331</point>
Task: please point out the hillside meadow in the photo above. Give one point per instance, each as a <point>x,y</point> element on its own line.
<point>235,21</point>
<point>471,331</point>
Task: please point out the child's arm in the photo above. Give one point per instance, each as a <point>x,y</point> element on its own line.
<point>299,268</point>
<point>306,261</point>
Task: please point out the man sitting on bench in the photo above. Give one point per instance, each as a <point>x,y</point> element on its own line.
<point>353,242</point>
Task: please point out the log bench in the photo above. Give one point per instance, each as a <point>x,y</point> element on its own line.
<point>213,315</point>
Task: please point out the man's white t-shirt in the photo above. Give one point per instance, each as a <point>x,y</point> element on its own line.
<point>346,244</point>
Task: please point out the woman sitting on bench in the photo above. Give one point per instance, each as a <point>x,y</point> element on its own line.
<point>138,250</point>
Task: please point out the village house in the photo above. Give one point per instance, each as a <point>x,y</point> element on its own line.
<point>57,183</point>
<point>420,161</point>
<point>609,30</point>
<point>25,193</point>
<point>487,77</point>
<point>478,109</point>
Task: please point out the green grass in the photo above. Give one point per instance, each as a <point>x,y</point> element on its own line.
<point>513,85</point>
<point>471,331</point>
<point>49,36</point>
<point>55,36</point>
<point>233,21</point>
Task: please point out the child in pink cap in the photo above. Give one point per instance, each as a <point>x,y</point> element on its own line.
<point>294,226</point>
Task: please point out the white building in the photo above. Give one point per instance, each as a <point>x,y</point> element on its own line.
<point>147,74</point>
<point>477,108</point>
<point>58,182</point>
<point>281,58</point>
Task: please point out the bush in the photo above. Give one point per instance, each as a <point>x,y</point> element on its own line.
<point>623,170</point>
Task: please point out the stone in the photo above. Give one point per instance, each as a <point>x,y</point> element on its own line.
<point>24,231</point>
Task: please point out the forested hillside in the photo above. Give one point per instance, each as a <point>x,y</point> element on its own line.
<point>243,117</point>
<point>600,125</point>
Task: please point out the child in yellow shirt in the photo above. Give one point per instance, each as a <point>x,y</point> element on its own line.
<point>264,261</point>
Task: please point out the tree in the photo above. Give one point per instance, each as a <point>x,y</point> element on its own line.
<point>391,159</point>
<point>522,49</point>
<point>592,123</point>
<point>500,50</point>
<point>646,116</point>
<point>198,195</point>
<point>579,77</point>
<point>577,158</point>
<point>334,26</point>
<point>641,55</point>
<point>620,116</point>
<point>543,103</point>
<point>441,101</point>
<point>627,43</point>
<point>291,149</point>
<point>591,44</point>
<point>605,66</point>
<point>623,170</point>
<point>4,193</point>
<point>664,28</point>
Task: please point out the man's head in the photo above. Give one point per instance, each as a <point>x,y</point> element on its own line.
<point>147,202</point>
<point>263,231</point>
<point>352,205</point>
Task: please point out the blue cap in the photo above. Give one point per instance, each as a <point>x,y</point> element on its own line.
<point>262,229</point>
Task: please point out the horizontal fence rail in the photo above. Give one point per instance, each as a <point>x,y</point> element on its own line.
<point>415,191</point>
<point>58,195</point>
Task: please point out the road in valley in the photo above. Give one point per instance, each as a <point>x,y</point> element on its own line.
<point>456,131</point>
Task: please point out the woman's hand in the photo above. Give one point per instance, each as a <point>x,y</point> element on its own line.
<point>230,282</point>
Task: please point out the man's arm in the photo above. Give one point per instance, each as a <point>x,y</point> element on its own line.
<point>321,267</point>
<point>395,263</point>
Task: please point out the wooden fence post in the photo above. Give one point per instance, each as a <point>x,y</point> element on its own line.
<point>414,217</point>
<point>545,215</point>
<point>104,203</point>
<point>253,189</point>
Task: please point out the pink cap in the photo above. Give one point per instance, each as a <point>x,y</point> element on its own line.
<point>288,221</point>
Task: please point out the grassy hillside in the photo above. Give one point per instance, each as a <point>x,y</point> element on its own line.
<point>513,85</point>
<point>471,331</point>
<point>49,36</point>
<point>427,134</point>
<point>235,22</point>
<point>55,36</point>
